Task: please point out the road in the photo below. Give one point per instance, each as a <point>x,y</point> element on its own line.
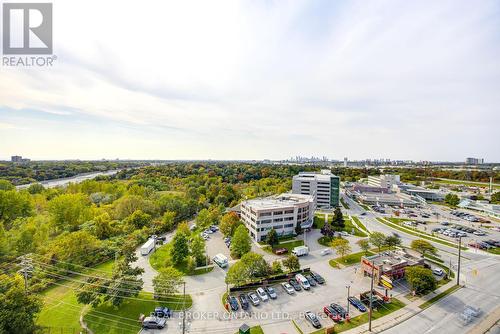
<point>74,179</point>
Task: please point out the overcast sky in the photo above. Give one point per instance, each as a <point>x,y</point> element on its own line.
<point>261,80</point>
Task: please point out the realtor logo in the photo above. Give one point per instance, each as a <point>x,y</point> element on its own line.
<point>27,28</point>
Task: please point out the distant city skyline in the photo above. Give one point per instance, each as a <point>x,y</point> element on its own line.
<point>260,80</point>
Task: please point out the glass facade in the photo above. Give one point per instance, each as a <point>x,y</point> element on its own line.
<point>334,191</point>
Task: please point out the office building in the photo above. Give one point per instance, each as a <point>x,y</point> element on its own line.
<point>474,161</point>
<point>281,213</point>
<point>383,181</point>
<point>18,158</point>
<point>323,186</point>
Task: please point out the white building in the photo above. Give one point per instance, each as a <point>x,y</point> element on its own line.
<point>323,186</point>
<point>384,181</point>
<point>282,213</point>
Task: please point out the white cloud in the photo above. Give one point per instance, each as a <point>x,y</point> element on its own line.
<point>238,79</point>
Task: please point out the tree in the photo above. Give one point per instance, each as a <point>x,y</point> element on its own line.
<point>338,219</point>
<point>76,248</point>
<point>250,266</point>
<point>276,267</point>
<point>421,279</point>
<point>14,204</point>
<point>241,242</point>
<point>452,199</point>
<point>364,244</point>
<point>272,238</point>
<point>327,230</point>
<point>393,241</point>
<point>167,282</point>
<point>168,221</point>
<point>103,228</point>
<point>190,264</point>
<point>180,249</point>
<point>36,188</point>
<point>495,198</point>
<point>341,246</point>
<point>228,224</point>
<point>377,239</point>
<point>138,219</point>
<point>68,211</point>
<point>198,250</point>
<point>18,310</point>
<point>291,263</point>
<point>6,185</point>
<point>423,246</point>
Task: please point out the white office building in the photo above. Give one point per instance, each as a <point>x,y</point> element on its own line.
<point>282,213</point>
<point>323,186</point>
<point>383,181</point>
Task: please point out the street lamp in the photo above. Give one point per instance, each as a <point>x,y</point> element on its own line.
<point>459,257</point>
<point>348,290</point>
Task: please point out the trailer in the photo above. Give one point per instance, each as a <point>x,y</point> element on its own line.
<point>147,247</point>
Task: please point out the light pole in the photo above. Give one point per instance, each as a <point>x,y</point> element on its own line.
<point>184,308</point>
<point>371,297</point>
<point>459,257</point>
<point>348,290</point>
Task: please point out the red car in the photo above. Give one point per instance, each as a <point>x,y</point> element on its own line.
<point>280,251</point>
<point>332,313</point>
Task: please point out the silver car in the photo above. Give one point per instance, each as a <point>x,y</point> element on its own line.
<point>262,294</point>
<point>288,288</point>
<point>253,298</point>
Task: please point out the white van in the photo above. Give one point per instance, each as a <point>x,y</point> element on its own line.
<point>221,260</point>
<point>304,283</point>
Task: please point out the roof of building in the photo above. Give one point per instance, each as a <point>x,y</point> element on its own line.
<point>391,258</point>
<point>278,201</point>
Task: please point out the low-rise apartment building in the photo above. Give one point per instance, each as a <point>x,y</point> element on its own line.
<point>281,213</point>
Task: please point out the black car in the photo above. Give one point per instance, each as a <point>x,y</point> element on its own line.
<point>357,303</point>
<point>340,310</point>
<point>313,319</point>
<point>233,303</point>
<point>293,282</point>
<point>311,280</point>
<point>317,277</point>
<point>244,301</point>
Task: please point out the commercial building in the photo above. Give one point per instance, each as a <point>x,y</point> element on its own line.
<point>474,161</point>
<point>323,186</point>
<point>383,181</point>
<point>281,213</point>
<point>484,207</point>
<point>18,158</point>
<point>391,264</point>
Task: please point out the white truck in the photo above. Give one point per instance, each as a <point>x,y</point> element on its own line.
<point>300,250</point>
<point>148,247</point>
<point>221,260</point>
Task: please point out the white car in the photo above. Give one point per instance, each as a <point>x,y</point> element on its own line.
<point>326,251</point>
<point>262,294</point>
<point>288,288</point>
<point>438,271</point>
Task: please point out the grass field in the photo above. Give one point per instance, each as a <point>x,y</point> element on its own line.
<point>288,245</point>
<point>466,183</point>
<point>351,259</point>
<point>125,319</point>
<point>60,308</point>
<point>360,224</point>
<point>344,204</point>
<point>363,318</point>
<point>319,222</point>
<point>161,259</point>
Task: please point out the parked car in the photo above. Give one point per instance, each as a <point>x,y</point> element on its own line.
<point>332,313</point>
<point>310,280</point>
<point>340,310</point>
<point>254,299</point>
<point>262,294</point>
<point>438,271</point>
<point>280,251</point>
<point>317,277</point>
<point>304,283</point>
<point>313,319</point>
<point>162,312</point>
<point>243,301</point>
<point>233,303</point>
<point>288,288</point>
<point>357,304</point>
<point>154,323</point>
<point>294,284</point>
<point>271,292</point>
<point>325,251</point>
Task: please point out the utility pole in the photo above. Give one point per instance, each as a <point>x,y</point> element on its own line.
<point>184,308</point>
<point>348,290</point>
<point>459,257</point>
<point>371,297</point>
<point>27,268</point>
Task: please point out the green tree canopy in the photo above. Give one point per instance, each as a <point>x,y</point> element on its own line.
<point>377,239</point>
<point>241,242</point>
<point>421,280</point>
<point>272,238</point>
<point>364,244</point>
<point>341,246</point>
<point>180,249</point>
<point>423,246</point>
<point>167,282</point>
<point>291,263</point>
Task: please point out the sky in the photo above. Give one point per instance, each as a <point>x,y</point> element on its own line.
<point>256,79</point>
